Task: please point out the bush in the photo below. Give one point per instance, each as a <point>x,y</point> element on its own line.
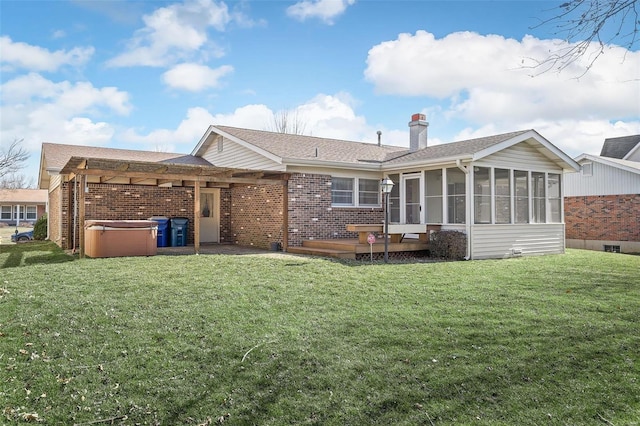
<point>40,229</point>
<point>450,245</point>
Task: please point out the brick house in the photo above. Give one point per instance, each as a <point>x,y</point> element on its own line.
<point>258,188</point>
<point>22,206</point>
<point>602,201</point>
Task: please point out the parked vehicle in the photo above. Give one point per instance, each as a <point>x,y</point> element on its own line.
<point>22,236</point>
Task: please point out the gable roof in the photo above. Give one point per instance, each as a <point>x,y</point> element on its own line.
<point>298,149</point>
<point>619,147</point>
<point>284,147</point>
<point>629,166</point>
<point>37,196</point>
<point>55,156</point>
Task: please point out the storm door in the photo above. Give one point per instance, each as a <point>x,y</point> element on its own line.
<point>412,198</point>
<point>210,216</point>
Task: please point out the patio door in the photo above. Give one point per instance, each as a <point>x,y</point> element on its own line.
<point>210,216</point>
<point>412,192</point>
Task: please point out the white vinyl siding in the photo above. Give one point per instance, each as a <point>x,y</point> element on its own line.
<point>502,241</point>
<point>234,155</point>
<point>520,156</point>
<point>605,180</point>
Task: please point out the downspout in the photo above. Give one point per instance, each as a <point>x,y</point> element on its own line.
<point>285,214</point>
<point>467,222</point>
<point>75,212</point>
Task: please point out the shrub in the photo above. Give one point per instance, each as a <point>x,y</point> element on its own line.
<point>40,229</point>
<point>450,245</point>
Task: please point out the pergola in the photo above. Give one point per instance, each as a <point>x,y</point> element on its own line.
<point>166,174</point>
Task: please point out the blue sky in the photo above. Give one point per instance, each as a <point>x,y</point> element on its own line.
<point>153,75</point>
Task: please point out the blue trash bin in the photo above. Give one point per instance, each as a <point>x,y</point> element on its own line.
<point>179,231</point>
<point>163,230</point>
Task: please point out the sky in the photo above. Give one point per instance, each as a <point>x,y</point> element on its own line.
<point>154,75</point>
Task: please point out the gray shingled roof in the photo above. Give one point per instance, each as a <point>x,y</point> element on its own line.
<point>299,147</point>
<point>619,147</point>
<point>454,149</point>
<point>57,155</point>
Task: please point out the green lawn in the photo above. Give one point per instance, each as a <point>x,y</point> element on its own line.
<point>272,340</point>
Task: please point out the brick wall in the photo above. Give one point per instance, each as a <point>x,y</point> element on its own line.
<point>256,215</point>
<point>53,218</point>
<point>606,217</point>
<point>311,215</point>
<point>126,202</point>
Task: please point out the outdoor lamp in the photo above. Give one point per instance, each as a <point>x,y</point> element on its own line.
<point>386,185</point>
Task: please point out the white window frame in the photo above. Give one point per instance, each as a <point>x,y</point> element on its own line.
<point>31,215</point>
<point>355,193</point>
<point>6,209</point>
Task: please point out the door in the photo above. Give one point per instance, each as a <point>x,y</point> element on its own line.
<point>210,216</point>
<point>412,198</point>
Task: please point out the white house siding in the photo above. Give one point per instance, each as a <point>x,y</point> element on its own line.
<point>605,180</point>
<point>502,241</point>
<point>234,155</point>
<point>521,156</point>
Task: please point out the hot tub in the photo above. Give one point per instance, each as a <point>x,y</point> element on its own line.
<point>114,238</point>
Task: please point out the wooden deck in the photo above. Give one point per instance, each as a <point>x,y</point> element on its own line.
<point>350,248</point>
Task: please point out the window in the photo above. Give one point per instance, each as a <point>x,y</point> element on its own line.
<point>482,194</point>
<point>5,212</point>
<point>355,192</point>
<point>394,199</point>
<point>455,195</point>
<point>32,213</point>
<point>612,249</point>
<point>538,196</point>
<point>433,195</point>
<point>502,193</point>
<point>587,169</point>
<point>341,191</point>
<point>555,201</point>
<point>521,208</point>
<point>368,192</point>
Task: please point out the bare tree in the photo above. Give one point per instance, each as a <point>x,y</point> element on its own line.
<point>13,158</point>
<point>288,121</point>
<point>588,27</point>
<point>16,181</point>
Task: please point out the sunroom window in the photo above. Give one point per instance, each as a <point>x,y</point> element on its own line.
<point>433,195</point>
<point>538,197</point>
<point>482,194</point>
<point>555,200</point>
<point>502,193</point>
<point>456,204</point>
<point>521,209</point>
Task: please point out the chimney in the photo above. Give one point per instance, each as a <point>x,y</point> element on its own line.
<point>418,132</point>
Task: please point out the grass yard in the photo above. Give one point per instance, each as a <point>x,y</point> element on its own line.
<point>272,339</point>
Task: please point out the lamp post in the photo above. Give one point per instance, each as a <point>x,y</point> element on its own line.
<point>386,185</point>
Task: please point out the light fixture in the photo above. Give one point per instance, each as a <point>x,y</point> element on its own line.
<point>386,185</point>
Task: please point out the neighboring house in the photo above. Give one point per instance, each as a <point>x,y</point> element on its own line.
<point>602,201</point>
<point>504,192</point>
<point>22,206</point>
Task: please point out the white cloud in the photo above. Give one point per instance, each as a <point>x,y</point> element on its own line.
<point>18,55</point>
<point>489,83</point>
<point>325,10</point>
<point>195,77</point>
<point>39,110</point>
<point>174,33</point>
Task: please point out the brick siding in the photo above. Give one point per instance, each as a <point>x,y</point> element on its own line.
<point>311,215</point>
<point>126,202</point>
<point>605,217</point>
<point>256,215</point>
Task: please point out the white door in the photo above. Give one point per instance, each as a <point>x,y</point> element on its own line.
<point>209,215</point>
<point>412,192</point>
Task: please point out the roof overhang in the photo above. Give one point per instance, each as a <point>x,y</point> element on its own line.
<point>109,168</point>
<point>210,136</point>
<point>536,140</point>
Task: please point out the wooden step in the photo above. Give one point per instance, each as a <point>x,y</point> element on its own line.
<point>323,252</point>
